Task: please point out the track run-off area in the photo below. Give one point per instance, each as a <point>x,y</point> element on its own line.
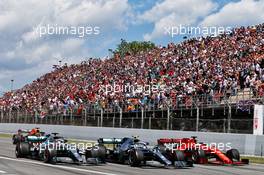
<point>10,165</point>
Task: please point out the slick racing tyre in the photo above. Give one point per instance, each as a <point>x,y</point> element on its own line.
<point>22,150</point>
<point>101,151</point>
<point>233,154</point>
<point>49,155</point>
<point>96,152</point>
<point>197,155</point>
<point>135,157</point>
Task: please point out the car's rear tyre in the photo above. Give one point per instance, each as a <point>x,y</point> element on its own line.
<point>101,151</point>
<point>22,150</point>
<point>135,158</point>
<point>233,154</point>
<point>98,152</point>
<point>198,154</point>
<point>49,155</point>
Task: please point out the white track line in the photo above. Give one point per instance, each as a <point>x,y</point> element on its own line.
<point>56,166</point>
<point>2,172</point>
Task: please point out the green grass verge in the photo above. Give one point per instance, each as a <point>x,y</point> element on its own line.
<point>3,135</point>
<point>252,159</point>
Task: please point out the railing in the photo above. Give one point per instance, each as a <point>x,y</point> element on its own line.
<point>187,120</point>
<point>196,113</point>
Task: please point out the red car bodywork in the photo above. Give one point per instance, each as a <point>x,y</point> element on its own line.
<point>185,144</point>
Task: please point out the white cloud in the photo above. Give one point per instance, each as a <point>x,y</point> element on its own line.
<point>95,12</point>
<point>245,12</point>
<point>175,12</point>
<point>23,52</point>
<point>30,36</point>
<point>22,14</point>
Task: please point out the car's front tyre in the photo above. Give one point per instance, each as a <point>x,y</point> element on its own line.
<point>135,157</point>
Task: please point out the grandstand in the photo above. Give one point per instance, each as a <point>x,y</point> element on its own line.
<point>207,83</point>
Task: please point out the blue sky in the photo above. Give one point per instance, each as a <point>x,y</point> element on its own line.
<point>24,55</point>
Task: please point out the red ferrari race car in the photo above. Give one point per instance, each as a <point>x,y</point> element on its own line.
<point>202,153</point>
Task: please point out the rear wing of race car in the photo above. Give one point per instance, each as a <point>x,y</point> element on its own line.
<point>110,143</point>
<point>25,130</point>
<point>36,139</point>
<point>162,141</point>
<point>110,140</point>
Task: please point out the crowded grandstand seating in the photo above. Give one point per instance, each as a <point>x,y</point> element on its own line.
<point>226,65</point>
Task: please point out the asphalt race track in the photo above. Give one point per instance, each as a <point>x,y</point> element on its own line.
<point>9,165</point>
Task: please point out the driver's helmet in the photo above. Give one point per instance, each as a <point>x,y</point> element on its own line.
<point>59,140</point>
<point>136,138</point>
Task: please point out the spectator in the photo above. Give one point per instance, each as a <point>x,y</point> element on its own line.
<point>207,65</point>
